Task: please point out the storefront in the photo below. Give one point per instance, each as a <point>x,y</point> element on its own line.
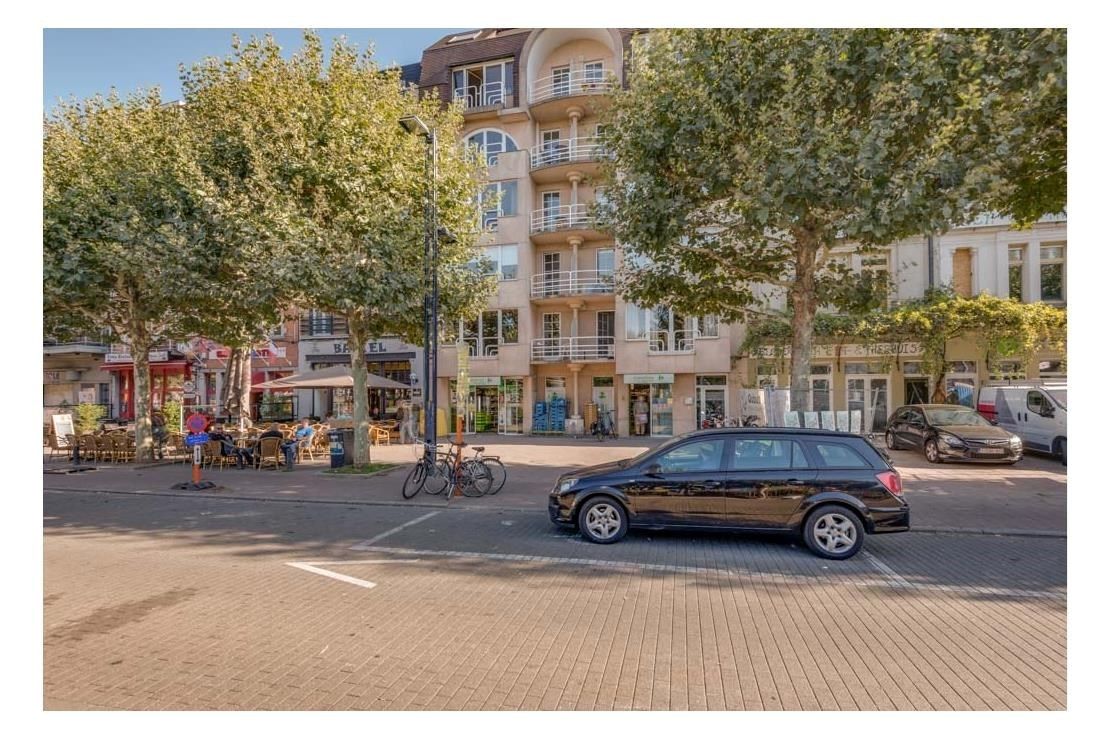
<point>711,396</point>
<point>494,404</point>
<point>167,380</point>
<point>397,366</point>
<point>650,404</point>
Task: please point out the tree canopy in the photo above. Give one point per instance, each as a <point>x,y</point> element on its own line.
<point>743,156</point>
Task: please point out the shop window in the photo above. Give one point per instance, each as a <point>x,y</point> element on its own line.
<point>963,366</point>
<point>1017,272</point>
<point>1053,287</point>
<point>863,368</point>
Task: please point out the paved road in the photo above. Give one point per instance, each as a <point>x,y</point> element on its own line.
<point>206,603</point>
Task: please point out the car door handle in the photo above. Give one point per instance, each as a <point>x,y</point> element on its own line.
<point>711,483</point>
<point>796,482</point>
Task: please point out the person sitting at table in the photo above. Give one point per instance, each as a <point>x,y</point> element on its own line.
<point>303,435</point>
<point>227,447</point>
<point>288,448</point>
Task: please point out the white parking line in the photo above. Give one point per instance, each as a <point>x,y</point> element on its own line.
<point>363,545</point>
<point>333,574</point>
<point>886,570</point>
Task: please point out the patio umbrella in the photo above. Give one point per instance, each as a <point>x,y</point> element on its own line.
<point>329,377</point>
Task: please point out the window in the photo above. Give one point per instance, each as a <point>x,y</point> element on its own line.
<point>839,456</point>
<point>1036,402</point>
<point>483,85</point>
<point>560,80</point>
<point>1052,272</point>
<point>554,149</point>
<point>606,325</point>
<point>606,262</point>
<point>495,328</point>
<point>552,325</point>
<point>635,322</point>
<point>593,73</point>
<point>767,454</point>
<point>492,142</point>
<point>319,323</point>
<point>863,368</point>
<point>510,326</point>
<point>1007,370</point>
<point>504,259</point>
<point>709,326</point>
<point>963,366</point>
<point>696,457</point>
<point>1017,272</point>
<point>498,199</point>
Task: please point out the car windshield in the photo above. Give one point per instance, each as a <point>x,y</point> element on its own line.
<point>955,417</point>
<point>1060,396</point>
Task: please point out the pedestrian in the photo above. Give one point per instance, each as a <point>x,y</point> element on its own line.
<point>158,431</point>
<point>404,422</point>
<point>640,414</point>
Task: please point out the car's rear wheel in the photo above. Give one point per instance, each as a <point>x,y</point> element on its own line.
<point>1062,446</point>
<point>891,441</point>
<point>603,520</point>
<point>932,452</point>
<point>833,532</point>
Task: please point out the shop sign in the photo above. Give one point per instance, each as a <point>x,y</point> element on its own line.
<point>342,348</point>
<point>159,356</point>
<point>265,353</point>
<point>885,349</point>
<point>648,378</point>
<point>485,380</point>
<point>52,376</point>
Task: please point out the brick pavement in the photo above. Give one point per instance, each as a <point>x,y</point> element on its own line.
<point>159,602</point>
<point>1028,497</point>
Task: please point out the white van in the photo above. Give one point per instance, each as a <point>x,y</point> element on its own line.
<point>1036,412</point>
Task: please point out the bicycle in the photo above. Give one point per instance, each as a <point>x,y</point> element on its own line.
<point>498,472</point>
<point>472,477</point>
<point>425,471</point>
<point>604,427</point>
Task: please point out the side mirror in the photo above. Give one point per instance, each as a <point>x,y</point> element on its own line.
<point>1048,412</point>
<point>654,470</point>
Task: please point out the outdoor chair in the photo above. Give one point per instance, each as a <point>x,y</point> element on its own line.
<point>269,452</point>
<point>378,435</point>
<point>307,447</point>
<point>211,454</point>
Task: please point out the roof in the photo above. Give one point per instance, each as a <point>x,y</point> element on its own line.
<point>410,73</point>
<point>482,34</point>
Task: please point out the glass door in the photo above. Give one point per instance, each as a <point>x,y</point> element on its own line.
<point>870,396</point>
<point>510,419</point>
<point>551,267</point>
<point>662,410</point>
<point>485,414</point>
<point>712,405</point>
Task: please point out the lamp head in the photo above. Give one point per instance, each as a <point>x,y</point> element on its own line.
<point>415,125</point>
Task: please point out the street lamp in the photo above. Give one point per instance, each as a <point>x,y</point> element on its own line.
<point>414,125</point>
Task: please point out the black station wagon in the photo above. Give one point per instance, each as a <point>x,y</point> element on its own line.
<point>832,488</point>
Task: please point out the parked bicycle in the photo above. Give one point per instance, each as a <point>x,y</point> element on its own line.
<point>604,427</point>
<point>473,476</point>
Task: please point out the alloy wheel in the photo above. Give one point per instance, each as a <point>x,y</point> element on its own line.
<point>931,452</point>
<point>835,533</point>
<point>603,521</point>
<point>890,442</point>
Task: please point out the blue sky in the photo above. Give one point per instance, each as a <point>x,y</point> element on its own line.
<point>86,61</point>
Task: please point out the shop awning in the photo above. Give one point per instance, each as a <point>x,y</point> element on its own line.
<point>328,377</point>
<point>171,365</point>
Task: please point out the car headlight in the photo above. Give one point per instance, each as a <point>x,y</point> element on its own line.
<point>566,484</point>
<point>1015,442</point>
<point>951,440</point>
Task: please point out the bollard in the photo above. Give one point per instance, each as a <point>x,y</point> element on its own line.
<point>196,464</point>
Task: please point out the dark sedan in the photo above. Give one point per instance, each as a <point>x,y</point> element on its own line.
<point>832,488</point>
<point>948,432</point>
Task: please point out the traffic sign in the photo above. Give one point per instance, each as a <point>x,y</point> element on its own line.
<point>189,386</point>
<point>196,423</point>
<point>196,439</point>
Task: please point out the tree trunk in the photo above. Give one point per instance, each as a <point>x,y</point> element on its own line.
<point>140,355</point>
<point>243,390</point>
<point>357,345</point>
<point>228,397</point>
<point>804,306</point>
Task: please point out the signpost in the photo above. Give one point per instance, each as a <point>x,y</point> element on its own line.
<point>462,391</point>
<point>196,424</point>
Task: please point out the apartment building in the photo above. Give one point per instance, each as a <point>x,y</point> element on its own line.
<point>556,336</point>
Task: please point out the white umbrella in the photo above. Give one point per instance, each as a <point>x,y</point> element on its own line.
<point>338,376</point>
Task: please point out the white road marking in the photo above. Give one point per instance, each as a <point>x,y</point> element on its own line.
<point>886,570</point>
<point>363,545</point>
<point>333,574</point>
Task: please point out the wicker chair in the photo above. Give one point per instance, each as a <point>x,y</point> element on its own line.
<point>211,454</point>
<point>378,435</point>
<point>60,444</point>
<point>269,451</point>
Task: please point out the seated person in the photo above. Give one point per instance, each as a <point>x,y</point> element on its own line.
<point>288,448</point>
<point>303,435</point>
<point>227,446</point>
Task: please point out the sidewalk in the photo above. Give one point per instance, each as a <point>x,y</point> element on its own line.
<point>1029,498</point>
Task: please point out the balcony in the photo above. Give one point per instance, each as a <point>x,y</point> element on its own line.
<point>572,283</point>
<point>553,160</point>
<point>91,345</point>
<point>487,96</point>
<point>680,342</point>
<point>573,349</point>
<point>550,97</point>
<point>551,225</point>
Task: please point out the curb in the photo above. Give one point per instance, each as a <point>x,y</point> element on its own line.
<point>440,504</point>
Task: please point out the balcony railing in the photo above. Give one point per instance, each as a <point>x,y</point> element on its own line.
<point>577,82</point>
<point>572,349</point>
<point>672,342</point>
<point>565,151</point>
<point>558,218</point>
<point>572,282</point>
<point>481,96</point>
<point>56,345</point>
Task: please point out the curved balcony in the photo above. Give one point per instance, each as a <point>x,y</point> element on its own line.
<point>551,96</point>
<point>551,225</point>
<point>565,283</point>
<point>573,349</point>
<point>552,161</point>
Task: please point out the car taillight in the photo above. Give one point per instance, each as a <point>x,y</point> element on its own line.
<point>891,481</point>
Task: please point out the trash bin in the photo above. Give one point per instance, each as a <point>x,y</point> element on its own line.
<point>342,442</point>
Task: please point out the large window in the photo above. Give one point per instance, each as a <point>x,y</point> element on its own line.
<point>486,334</point>
<point>492,143</point>
<point>505,261</point>
<point>1052,272</point>
<point>1017,272</point>
<point>482,85</point>
<point>498,199</point>
<point>670,329</point>
<point>635,322</point>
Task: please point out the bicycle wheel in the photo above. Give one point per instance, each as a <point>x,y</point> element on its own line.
<point>475,479</point>
<point>414,481</point>
<point>498,471</point>
<point>439,477</point>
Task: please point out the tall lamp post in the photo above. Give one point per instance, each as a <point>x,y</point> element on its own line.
<point>414,125</point>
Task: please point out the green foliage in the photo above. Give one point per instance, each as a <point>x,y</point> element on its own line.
<point>171,412</point>
<point>87,419</point>
<point>743,156</point>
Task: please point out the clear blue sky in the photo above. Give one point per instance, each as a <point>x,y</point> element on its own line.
<point>87,61</point>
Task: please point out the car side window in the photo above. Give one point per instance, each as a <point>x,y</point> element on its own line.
<point>915,417</point>
<point>696,457</point>
<point>1035,402</point>
<point>767,454</point>
<point>839,456</point>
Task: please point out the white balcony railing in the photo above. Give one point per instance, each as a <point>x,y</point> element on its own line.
<point>572,349</point>
<point>480,96</point>
<point>565,151</point>
<point>576,82</point>
<point>672,342</point>
<point>572,282</point>
<point>557,218</point>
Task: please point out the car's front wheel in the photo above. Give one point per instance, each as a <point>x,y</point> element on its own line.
<point>891,441</point>
<point>833,532</point>
<point>603,520</point>
<point>932,452</point>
